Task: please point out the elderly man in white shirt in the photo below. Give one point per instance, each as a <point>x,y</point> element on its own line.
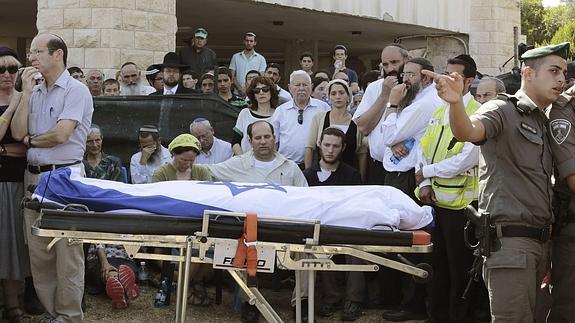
<point>292,119</point>
<point>214,150</point>
<point>144,163</point>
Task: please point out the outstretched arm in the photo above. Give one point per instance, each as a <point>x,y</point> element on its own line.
<point>450,89</point>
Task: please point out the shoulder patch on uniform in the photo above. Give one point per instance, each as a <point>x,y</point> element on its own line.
<point>560,129</point>
<point>529,128</point>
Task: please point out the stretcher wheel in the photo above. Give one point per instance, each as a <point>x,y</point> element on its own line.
<point>427,267</point>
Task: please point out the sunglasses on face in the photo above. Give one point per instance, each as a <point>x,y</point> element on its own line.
<point>300,116</point>
<point>11,69</point>
<point>264,89</point>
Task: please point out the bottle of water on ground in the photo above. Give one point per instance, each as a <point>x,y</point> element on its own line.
<point>161,294</point>
<point>143,276</point>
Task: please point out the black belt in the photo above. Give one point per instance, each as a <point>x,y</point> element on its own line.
<point>519,231</point>
<point>35,169</point>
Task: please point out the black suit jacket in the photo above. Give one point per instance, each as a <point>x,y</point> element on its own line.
<point>181,90</point>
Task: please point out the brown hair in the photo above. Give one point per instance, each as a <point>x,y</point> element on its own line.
<point>267,82</point>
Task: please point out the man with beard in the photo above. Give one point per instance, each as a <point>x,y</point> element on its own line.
<point>273,71</point>
<point>246,60</point>
<point>292,119</point>
<point>144,163</point>
<point>171,71</point>
<point>370,110</point>
<point>330,170</point>
<point>131,82</point>
<point>410,107</point>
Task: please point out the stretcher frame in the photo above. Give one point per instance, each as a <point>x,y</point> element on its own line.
<point>285,256</point>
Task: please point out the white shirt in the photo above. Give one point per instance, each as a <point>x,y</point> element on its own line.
<point>453,166</point>
<point>408,124</point>
<point>283,96</point>
<point>221,151</point>
<point>142,174</point>
<point>291,135</point>
<point>375,137</point>
<point>173,90</point>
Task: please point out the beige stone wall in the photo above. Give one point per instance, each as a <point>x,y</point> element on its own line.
<point>491,33</point>
<point>103,34</point>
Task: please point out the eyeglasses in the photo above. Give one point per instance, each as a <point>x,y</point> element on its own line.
<point>407,75</point>
<point>300,116</point>
<point>258,90</point>
<point>35,52</point>
<point>11,69</point>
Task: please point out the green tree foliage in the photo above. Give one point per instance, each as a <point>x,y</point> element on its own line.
<point>540,24</point>
<point>532,15</point>
<point>566,33</point>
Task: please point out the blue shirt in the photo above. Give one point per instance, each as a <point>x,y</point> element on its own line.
<point>68,99</point>
<point>242,65</point>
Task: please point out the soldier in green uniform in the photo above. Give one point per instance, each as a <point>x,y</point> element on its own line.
<point>562,118</point>
<point>515,171</point>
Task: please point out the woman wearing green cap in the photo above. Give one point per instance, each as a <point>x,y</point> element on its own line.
<point>184,149</point>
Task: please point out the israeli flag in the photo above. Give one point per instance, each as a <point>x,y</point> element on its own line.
<point>364,207</point>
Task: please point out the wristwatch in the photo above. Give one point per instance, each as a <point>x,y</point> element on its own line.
<point>391,106</point>
<point>2,150</point>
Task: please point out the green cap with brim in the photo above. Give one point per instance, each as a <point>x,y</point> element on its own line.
<point>561,50</point>
<point>185,140</point>
<point>201,32</point>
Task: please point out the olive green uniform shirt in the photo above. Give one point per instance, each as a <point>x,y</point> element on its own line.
<point>561,120</point>
<point>515,165</point>
<point>167,172</point>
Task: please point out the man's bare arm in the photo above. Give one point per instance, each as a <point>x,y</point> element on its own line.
<point>370,118</point>
<point>58,135</point>
<point>19,123</point>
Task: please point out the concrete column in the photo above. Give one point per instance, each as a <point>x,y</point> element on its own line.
<point>491,33</point>
<point>104,34</point>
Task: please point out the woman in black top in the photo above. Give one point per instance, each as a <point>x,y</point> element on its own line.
<point>13,253</point>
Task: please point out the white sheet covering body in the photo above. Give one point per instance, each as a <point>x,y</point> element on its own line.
<point>362,207</point>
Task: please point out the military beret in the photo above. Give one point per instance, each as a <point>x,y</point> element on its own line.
<point>561,50</point>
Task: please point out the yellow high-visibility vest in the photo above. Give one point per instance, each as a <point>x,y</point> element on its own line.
<point>438,144</point>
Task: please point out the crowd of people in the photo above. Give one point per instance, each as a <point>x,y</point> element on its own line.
<point>434,136</point>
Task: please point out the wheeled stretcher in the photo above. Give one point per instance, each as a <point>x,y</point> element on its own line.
<point>280,240</point>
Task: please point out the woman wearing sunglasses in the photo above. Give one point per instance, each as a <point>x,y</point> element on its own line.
<point>355,153</point>
<point>13,254</point>
<point>263,95</point>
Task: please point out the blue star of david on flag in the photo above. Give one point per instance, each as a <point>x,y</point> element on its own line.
<point>236,189</point>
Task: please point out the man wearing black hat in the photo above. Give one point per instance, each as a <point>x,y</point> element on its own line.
<point>446,175</point>
<point>514,177</point>
<point>198,56</point>
<point>171,71</point>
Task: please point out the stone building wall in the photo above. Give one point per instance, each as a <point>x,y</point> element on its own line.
<point>491,33</point>
<point>103,34</point>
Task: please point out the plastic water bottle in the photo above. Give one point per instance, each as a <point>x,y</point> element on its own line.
<point>143,275</point>
<point>162,293</point>
<point>408,143</point>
